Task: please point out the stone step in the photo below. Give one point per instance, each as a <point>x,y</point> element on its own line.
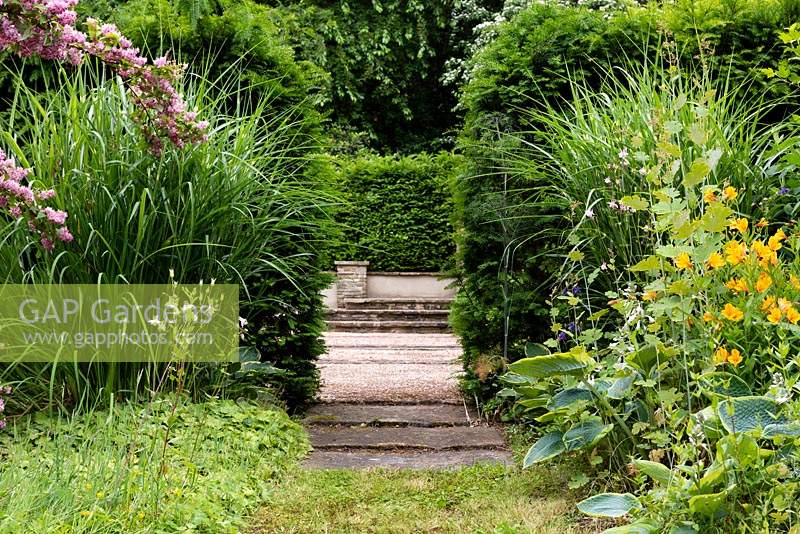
<point>400,341</point>
<point>419,415</point>
<point>421,357</point>
<point>398,303</point>
<point>390,438</point>
<point>321,459</point>
<point>418,327</point>
<point>387,314</point>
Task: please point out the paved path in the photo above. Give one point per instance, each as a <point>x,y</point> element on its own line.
<point>392,400</point>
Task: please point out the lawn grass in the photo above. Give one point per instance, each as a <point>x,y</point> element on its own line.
<point>479,499</point>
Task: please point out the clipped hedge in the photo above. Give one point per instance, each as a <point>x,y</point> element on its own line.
<point>397,210</point>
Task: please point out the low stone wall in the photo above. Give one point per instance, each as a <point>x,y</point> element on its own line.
<point>354,281</point>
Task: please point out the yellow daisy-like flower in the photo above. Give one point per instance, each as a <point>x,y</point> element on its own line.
<point>682,261</point>
<point>649,295</point>
<point>774,316</point>
<point>768,303</point>
<point>766,256</point>
<point>730,193</point>
<point>715,261</point>
<point>784,304</point>
<point>720,356</point>
<point>709,195</point>
<point>735,252</point>
<point>774,242</point>
<point>732,313</point>
<point>764,282</point>
<point>792,315</point>
<point>737,285</point>
<point>708,317</point>
<point>735,358</point>
<point>762,223</point>
<point>738,224</point>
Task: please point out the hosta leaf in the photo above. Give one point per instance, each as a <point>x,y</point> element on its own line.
<point>683,528</point>
<point>585,434</point>
<point>536,349</point>
<point>712,504</point>
<point>633,528</point>
<point>659,472</point>
<point>249,354</point>
<point>513,378</point>
<point>743,414</point>
<point>620,387</point>
<point>609,505</point>
<point>725,385</point>
<point>548,446</point>
<point>644,358</point>
<point>782,429</point>
<point>564,398</point>
<point>574,363</point>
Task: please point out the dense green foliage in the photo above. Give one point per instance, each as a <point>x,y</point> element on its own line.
<point>168,466</point>
<point>544,48</point>
<point>506,261</point>
<point>239,209</point>
<point>397,211</point>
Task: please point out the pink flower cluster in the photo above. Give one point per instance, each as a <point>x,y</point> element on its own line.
<point>46,28</point>
<point>3,391</point>
<point>21,201</point>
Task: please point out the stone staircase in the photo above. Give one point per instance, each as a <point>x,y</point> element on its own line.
<point>391,400</point>
<point>422,315</point>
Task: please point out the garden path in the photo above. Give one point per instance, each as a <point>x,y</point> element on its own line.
<point>392,400</point>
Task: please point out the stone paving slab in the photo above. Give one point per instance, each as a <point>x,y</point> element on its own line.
<point>367,355</point>
<point>389,383</point>
<point>387,438</point>
<point>405,460</point>
<point>420,415</point>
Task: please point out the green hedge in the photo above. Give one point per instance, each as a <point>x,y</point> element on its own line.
<point>397,211</point>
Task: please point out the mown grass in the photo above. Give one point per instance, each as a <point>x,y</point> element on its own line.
<point>479,499</point>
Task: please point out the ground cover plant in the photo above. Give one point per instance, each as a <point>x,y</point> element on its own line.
<point>167,466</point>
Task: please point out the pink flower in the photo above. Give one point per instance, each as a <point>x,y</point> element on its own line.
<point>64,235</point>
<point>55,216</point>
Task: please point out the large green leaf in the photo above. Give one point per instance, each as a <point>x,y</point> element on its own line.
<point>548,446</point>
<point>609,505</point>
<point>711,504</point>
<point>566,397</point>
<point>659,472</point>
<point>683,528</point>
<point>576,363</point>
<point>782,429</point>
<point>585,434</point>
<point>724,385</point>
<point>743,414</point>
<point>621,386</point>
<point>633,528</point>
<point>536,349</point>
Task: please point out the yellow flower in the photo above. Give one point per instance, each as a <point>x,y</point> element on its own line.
<point>763,283</point>
<point>774,315</point>
<point>737,285</point>
<point>708,317</point>
<point>738,224</point>
<point>794,281</point>
<point>649,295</point>
<point>732,313</point>
<point>784,304</point>
<point>682,261</point>
<point>709,195</point>
<point>734,358</point>
<point>730,193</point>
<point>735,252</point>
<point>85,513</point>
<point>792,315</point>
<point>100,494</point>
<point>774,242</point>
<point>715,261</point>
<point>767,304</point>
<point>763,223</point>
<point>720,356</point>
<point>766,256</point>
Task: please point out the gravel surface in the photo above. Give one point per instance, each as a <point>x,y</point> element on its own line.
<point>387,367</point>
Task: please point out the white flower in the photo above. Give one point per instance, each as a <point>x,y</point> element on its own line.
<point>242,322</point>
<point>589,213</point>
<point>623,154</point>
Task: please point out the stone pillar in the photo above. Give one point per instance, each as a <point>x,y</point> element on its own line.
<point>351,281</point>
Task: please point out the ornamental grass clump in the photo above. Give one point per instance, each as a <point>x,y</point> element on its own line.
<point>680,371</point>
